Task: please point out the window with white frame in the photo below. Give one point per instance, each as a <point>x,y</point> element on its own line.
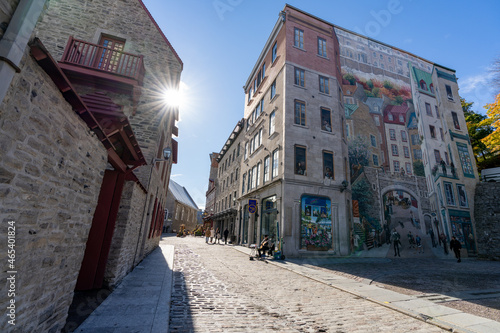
<point>394,149</point>
<point>266,169</point>
<point>408,168</point>
<point>406,151</point>
<point>396,166</point>
<point>373,140</point>
<point>275,163</point>
<point>272,127</point>
<point>392,134</point>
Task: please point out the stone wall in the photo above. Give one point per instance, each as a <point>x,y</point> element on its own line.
<point>487,218</point>
<point>51,169</point>
<point>125,237</point>
<point>151,120</point>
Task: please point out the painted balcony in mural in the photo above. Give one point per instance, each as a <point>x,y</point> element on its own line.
<point>103,64</point>
<point>444,170</point>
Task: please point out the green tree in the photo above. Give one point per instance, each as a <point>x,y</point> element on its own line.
<point>358,151</point>
<point>418,168</point>
<point>362,192</point>
<point>479,128</point>
<point>350,78</point>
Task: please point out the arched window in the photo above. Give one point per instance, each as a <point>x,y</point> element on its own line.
<point>431,87</point>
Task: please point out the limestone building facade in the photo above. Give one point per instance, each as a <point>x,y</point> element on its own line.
<point>86,146</point>
<point>181,207</point>
<point>314,90</point>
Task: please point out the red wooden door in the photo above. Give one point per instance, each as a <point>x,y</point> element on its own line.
<point>101,232</point>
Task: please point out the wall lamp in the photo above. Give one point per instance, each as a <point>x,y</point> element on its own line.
<point>167,152</point>
<point>343,186</point>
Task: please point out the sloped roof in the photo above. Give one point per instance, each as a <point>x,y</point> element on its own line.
<point>420,75</point>
<point>374,101</point>
<point>351,88</point>
<point>349,109</point>
<point>181,194</point>
<point>412,123</point>
<point>161,32</point>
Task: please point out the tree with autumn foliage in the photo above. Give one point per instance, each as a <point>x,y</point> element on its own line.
<point>478,130</point>
<point>492,140</point>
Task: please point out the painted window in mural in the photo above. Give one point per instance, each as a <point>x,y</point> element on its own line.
<point>461,228</point>
<point>450,197</point>
<point>298,40</point>
<point>326,120</point>
<point>463,153</point>
<point>300,113</point>
<point>440,194</point>
<point>300,160</point>
<point>328,165</point>
<point>462,196</point>
<point>321,47</point>
<point>455,120</point>
<point>324,85</point>
<point>316,223</point>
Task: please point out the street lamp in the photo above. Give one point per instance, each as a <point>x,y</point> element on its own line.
<point>167,152</point>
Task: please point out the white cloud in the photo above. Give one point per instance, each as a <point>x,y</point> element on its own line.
<point>176,175</point>
<point>478,89</point>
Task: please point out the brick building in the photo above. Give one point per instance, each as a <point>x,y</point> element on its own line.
<point>86,146</point>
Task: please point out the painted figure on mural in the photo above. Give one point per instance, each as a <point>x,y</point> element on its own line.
<point>456,246</point>
<point>395,239</point>
<point>442,237</point>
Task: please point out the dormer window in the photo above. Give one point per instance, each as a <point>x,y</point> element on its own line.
<point>423,85</point>
<point>390,117</point>
<point>432,88</point>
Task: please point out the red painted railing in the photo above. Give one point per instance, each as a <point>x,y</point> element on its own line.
<point>100,58</point>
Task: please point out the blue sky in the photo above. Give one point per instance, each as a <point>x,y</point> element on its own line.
<point>220,40</point>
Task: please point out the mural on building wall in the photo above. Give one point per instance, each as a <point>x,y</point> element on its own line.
<point>316,223</point>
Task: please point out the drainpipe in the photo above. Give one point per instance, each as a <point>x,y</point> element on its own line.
<point>15,40</point>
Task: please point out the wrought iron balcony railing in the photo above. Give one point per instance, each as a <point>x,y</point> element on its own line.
<point>97,57</point>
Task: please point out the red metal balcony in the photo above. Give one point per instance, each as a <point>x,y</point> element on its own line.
<point>86,60</point>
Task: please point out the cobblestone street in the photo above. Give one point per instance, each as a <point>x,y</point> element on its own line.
<point>217,289</point>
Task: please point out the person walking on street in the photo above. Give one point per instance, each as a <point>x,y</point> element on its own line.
<point>456,246</point>
<point>226,233</point>
<point>418,242</point>
<point>442,237</point>
<point>212,235</point>
<point>207,235</point>
<point>431,233</point>
<point>395,238</point>
<point>217,236</point>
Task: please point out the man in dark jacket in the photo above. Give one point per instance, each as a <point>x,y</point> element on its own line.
<point>456,246</point>
<point>226,233</point>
